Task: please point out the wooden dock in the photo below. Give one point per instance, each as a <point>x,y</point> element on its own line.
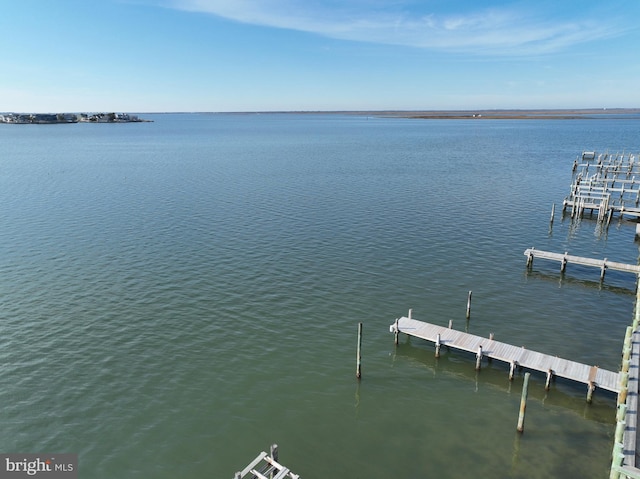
<point>592,376</point>
<point>266,466</point>
<point>566,258</point>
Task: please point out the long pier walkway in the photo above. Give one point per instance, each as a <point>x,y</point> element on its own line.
<point>592,376</point>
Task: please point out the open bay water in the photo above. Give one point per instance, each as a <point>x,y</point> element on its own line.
<point>176,296</point>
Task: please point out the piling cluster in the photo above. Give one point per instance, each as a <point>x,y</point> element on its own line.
<point>604,183</point>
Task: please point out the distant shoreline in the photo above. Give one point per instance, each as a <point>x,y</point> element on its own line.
<point>524,114</point>
<point>568,114</point>
<point>506,114</point>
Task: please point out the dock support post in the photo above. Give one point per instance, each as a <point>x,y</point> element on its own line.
<point>273,452</point>
<point>624,388</point>
<point>469,305</point>
<point>438,345</point>
<point>410,314</point>
<point>621,423</point>
<point>592,387</point>
<point>603,269</point>
<point>626,345</point>
<point>450,323</point>
<point>530,259</point>
<point>397,332</point>
<point>238,475</point>
<point>523,402</point>
<point>553,212</point>
<point>547,385</point>
<point>616,460</point>
<point>512,370</point>
<point>479,358</point>
<point>563,264</point>
<point>359,353</point>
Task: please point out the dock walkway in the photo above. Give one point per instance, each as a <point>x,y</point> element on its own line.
<point>592,376</point>
<point>565,259</point>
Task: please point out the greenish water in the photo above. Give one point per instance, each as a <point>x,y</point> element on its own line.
<point>176,296</point>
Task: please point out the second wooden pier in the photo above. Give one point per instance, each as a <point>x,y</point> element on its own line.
<point>566,258</point>
<point>593,376</point>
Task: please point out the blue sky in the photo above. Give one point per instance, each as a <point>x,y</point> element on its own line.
<point>293,55</point>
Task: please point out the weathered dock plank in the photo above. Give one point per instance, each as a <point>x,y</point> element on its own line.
<point>510,354</point>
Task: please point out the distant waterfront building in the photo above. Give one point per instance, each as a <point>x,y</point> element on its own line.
<point>45,118</point>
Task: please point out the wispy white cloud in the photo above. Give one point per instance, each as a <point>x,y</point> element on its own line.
<point>502,30</point>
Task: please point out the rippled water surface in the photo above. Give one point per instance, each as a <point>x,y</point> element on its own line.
<point>176,296</point>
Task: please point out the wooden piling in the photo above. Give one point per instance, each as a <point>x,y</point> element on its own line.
<point>512,370</point>
<point>616,460</point>
<point>479,358</point>
<point>438,346</point>
<point>469,305</point>
<point>624,388</point>
<point>628,335</point>
<point>273,452</point>
<point>359,353</point>
<point>620,423</point>
<point>547,384</point>
<point>553,212</point>
<point>530,258</point>
<point>523,402</point>
<point>397,332</point>
<point>590,390</point>
<point>450,323</point>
